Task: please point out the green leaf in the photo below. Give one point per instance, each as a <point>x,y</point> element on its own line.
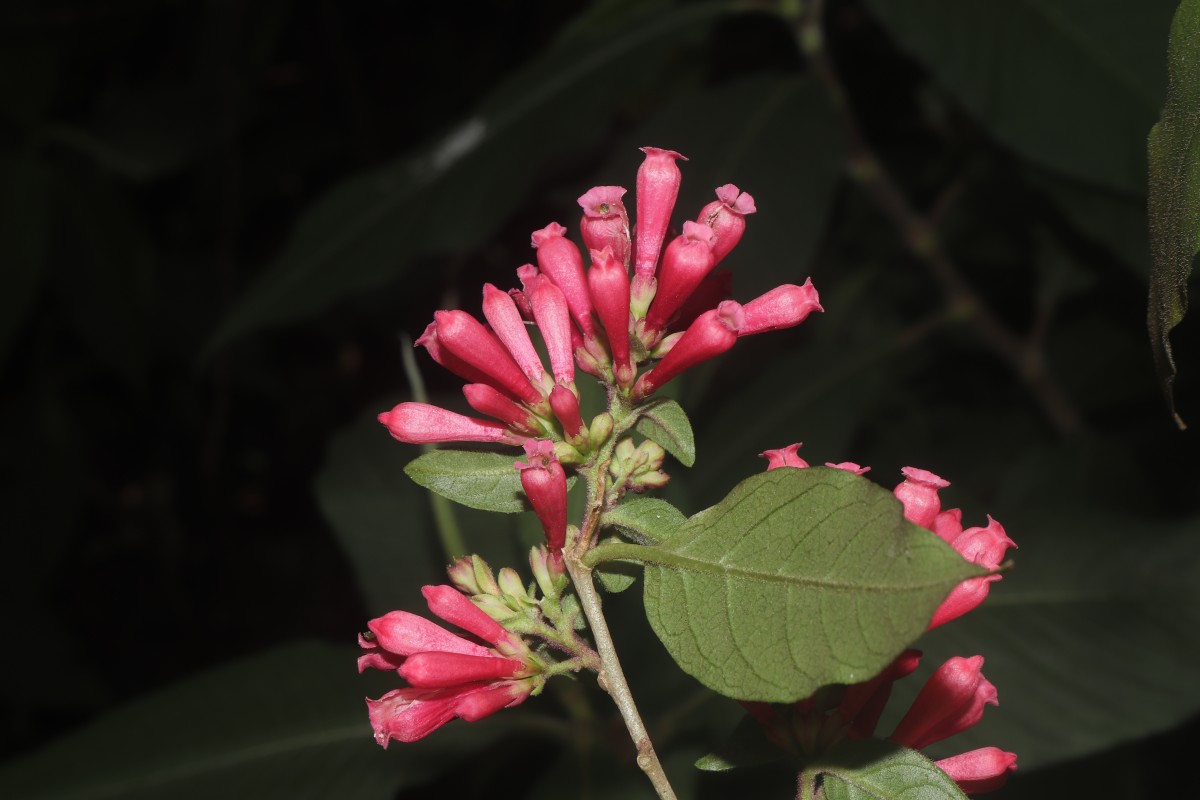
<point>1070,84</point>
<point>664,422</point>
<point>870,769</point>
<point>747,746</point>
<point>486,481</point>
<point>458,191</point>
<point>1093,639</point>
<point>1174,150</point>
<point>797,579</point>
<point>288,724</point>
<point>645,520</point>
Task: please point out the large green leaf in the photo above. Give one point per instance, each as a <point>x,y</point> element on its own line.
<point>486,481</point>
<point>797,579</point>
<point>875,770</point>
<point>288,724</point>
<point>1175,191</point>
<point>665,422</point>
<point>1071,84</point>
<point>1092,639</point>
<point>455,194</point>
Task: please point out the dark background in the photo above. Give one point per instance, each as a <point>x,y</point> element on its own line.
<point>180,363</point>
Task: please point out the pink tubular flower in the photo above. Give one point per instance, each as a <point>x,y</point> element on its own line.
<point>545,485</point>
<point>978,771</point>
<point>605,223</point>
<point>849,466</point>
<point>554,321</point>
<point>488,400</point>
<point>501,312</point>
<point>982,546</point>
<point>466,338</point>
<point>727,217</point>
<point>658,180</point>
<point>451,676</point>
<point>609,285</point>
<point>784,457</point>
<point>687,260</point>
<point>863,703</point>
<point>951,701</point>
<point>421,423</point>
<point>560,260</point>
<point>919,494</point>
<point>782,307</point>
<point>711,334</point>
<point>715,287</point>
<point>566,407</point>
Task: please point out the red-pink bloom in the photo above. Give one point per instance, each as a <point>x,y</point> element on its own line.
<point>687,260</point>
<point>711,334</point>
<point>919,494</point>
<point>501,312</point>
<point>605,223</point>
<point>727,217</point>
<point>609,285</point>
<point>978,771</point>
<point>566,407</point>
<point>983,546</point>
<point>421,423</point>
<point>560,260</point>
<point>443,357</point>
<point>465,337</point>
<point>545,485</point>
<point>784,457</point>
<point>491,401</point>
<point>782,307</point>
<point>849,466</point>
<point>451,676</point>
<point>951,701</point>
<point>554,321</point>
<point>658,180</point>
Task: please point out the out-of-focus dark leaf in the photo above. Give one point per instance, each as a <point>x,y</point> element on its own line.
<point>456,193</point>
<point>287,724</point>
<point>25,209</point>
<point>1175,192</point>
<point>1071,84</point>
<point>1091,639</point>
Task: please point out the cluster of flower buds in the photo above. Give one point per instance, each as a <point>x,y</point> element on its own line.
<point>505,598</point>
<point>449,675</point>
<point>671,311</point>
<point>952,700</point>
<point>954,697</point>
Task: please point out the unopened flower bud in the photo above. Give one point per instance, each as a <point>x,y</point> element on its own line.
<point>560,260</point>
<point>658,181</point>
<point>513,589</point>
<point>711,334</point>
<point>783,307</point>
<point>566,408</point>
<point>600,429</point>
<point>545,485</point>
<point>688,259</point>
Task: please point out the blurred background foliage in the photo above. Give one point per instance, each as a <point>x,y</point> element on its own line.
<point>217,220</point>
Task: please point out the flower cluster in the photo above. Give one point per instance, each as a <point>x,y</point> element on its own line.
<point>952,700</point>
<point>669,316</point>
<point>954,697</point>
<point>449,675</point>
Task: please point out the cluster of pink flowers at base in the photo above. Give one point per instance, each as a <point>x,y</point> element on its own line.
<point>598,319</point>
<point>954,697</point>
<point>449,676</point>
<point>952,700</point>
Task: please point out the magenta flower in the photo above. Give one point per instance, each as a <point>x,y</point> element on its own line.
<point>605,223</point>
<point>463,336</point>
<point>919,494</point>
<point>711,334</point>
<point>783,307</point>
<point>609,285</point>
<point>501,312</point>
<point>983,546</point>
<point>784,457</point>
<point>545,485</point>
<point>658,180</point>
<point>977,771</point>
<point>951,701</point>
<point>686,262</point>
<point>450,676</point>
<point>421,423</point>
<point>727,217</point>
<point>560,260</point>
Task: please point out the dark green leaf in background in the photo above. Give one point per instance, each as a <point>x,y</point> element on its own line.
<point>1175,192</point>
<point>459,191</point>
<point>1070,84</point>
<point>799,578</point>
